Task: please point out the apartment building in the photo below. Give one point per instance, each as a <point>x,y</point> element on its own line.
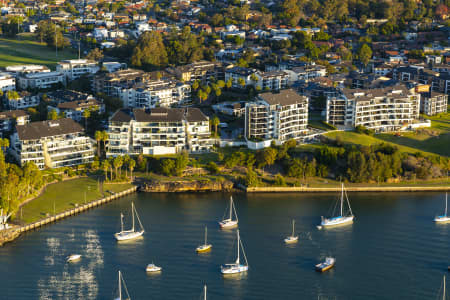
<point>41,80</point>
<point>52,144</point>
<point>277,116</point>
<point>23,69</point>
<point>155,93</point>
<point>158,131</point>
<point>381,109</point>
<point>201,70</point>
<point>110,84</point>
<point>433,103</point>
<point>8,119</point>
<point>240,75</point>
<point>20,100</point>
<point>7,82</point>
<point>75,68</point>
<point>272,80</point>
<point>75,109</point>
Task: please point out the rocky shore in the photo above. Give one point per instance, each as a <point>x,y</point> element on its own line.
<point>186,186</point>
<point>9,235</point>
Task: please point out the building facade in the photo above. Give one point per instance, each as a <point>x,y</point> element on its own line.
<point>7,82</point>
<point>75,68</point>
<point>8,119</point>
<point>40,80</point>
<point>433,103</point>
<point>110,84</point>
<point>383,109</point>
<point>52,144</point>
<point>278,117</point>
<point>20,100</point>
<point>158,131</point>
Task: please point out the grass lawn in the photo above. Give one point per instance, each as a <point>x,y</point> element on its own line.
<point>26,50</point>
<point>65,195</point>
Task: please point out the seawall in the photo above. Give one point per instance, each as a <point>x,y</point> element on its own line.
<point>278,189</point>
<point>186,186</point>
<point>13,233</point>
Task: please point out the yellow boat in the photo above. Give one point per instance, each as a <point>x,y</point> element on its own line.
<point>326,265</point>
<point>205,247</point>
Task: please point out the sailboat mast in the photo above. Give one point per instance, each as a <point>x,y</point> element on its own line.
<point>293,224</point>
<point>342,201</point>
<point>443,294</point>
<point>231,206</point>
<point>204,292</point>
<point>132,214</point>
<point>238,246</point>
<point>120,287</point>
<point>445,204</point>
<point>206,233</point>
<point>121,222</point>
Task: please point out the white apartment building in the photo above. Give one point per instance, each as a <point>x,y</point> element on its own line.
<point>272,81</point>
<point>20,100</point>
<point>75,68</point>
<point>433,103</point>
<point>158,131</point>
<point>155,93</point>
<point>20,69</point>
<point>383,109</point>
<point>276,116</point>
<point>7,82</point>
<point>52,144</point>
<point>40,80</point>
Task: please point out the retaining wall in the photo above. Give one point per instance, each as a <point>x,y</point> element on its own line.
<point>278,189</point>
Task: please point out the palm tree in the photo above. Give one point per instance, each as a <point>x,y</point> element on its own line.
<point>111,161</point>
<point>98,137</point>
<point>126,160</point>
<point>131,165</point>
<point>86,115</point>
<point>215,122</point>
<point>105,166</point>
<point>118,162</point>
<point>104,139</point>
<point>4,144</point>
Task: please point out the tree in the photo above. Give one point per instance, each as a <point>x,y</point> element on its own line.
<point>215,122</point>
<point>229,83</point>
<point>131,165</point>
<point>241,82</point>
<point>117,162</point>
<point>150,51</point>
<point>104,139</point>
<point>52,115</point>
<point>251,179</point>
<point>95,54</point>
<point>98,137</point>
<point>365,54</point>
<point>86,115</point>
<point>269,156</point>
<point>291,12</point>
<point>105,166</point>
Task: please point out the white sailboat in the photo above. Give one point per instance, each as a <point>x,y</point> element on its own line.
<point>236,267</point>
<point>122,296</point>
<point>229,222</point>
<point>205,247</point>
<point>132,233</point>
<point>293,238</point>
<point>443,218</point>
<point>444,292</point>
<point>204,292</point>
<point>152,268</point>
<point>342,218</point>
<point>73,257</point>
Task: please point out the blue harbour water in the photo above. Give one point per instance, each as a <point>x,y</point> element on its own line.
<point>393,250</point>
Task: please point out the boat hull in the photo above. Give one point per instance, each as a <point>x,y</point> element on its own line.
<point>128,235</point>
<point>227,224</point>
<point>235,269</point>
<point>442,219</point>
<point>339,221</point>
<point>324,268</point>
<point>153,269</point>
<point>73,258</point>
<point>291,240</point>
<point>203,248</point>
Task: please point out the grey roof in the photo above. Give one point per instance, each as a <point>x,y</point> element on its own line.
<point>38,130</point>
<point>195,115</point>
<point>284,97</point>
<point>159,114</point>
<point>79,104</point>
<point>368,94</point>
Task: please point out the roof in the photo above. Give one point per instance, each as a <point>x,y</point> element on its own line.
<point>122,115</point>
<point>12,114</point>
<point>78,104</point>
<point>160,114</point>
<point>398,91</point>
<point>38,130</point>
<point>284,97</point>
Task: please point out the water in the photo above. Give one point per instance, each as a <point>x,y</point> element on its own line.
<point>392,251</point>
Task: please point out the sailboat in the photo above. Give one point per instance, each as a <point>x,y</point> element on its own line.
<point>205,247</point>
<point>293,238</point>
<point>341,219</point>
<point>121,295</point>
<point>444,296</point>
<point>204,292</point>
<point>230,223</point>
<point>444,218</point>
<point>132,233</point>
<point>236,267</point>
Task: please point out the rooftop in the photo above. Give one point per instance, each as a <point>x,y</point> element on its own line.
<point>284,97</point>
<point>38,130</point>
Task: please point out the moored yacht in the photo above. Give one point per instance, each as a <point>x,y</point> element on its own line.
<point>132,233</point>
<point>236,267</point>
<point>122,295</point>
<point>229,222</point>
<point>343,218</point>
<point>292,238</point>
<point>152,268</point>
<point>73,257</point>
<point>443,218</point>
<point>205,247</point>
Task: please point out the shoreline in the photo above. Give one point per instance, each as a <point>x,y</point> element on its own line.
<point>278,189</point>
